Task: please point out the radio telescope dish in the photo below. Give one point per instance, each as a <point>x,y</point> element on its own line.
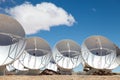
<point>10,68</point>
<point>118,56</point>
<point>114,64</point>
<point>37,53</point>
<point>16,68</point>
<point>67,54</point>
<point>98,52</point>
<point>52,65</point>
<point>19,66</point>
<point>12,42</point>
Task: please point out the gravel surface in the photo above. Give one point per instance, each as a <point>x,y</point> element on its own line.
<point>60,77</point>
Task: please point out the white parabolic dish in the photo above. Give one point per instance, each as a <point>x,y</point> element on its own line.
<point>12,42</point>
<point>10,68</point>
<point>18,65</point>
<point>118,56</point>
<point>99,52</point>
<point>52,65</point>
<point>67,54</point>
<point>37,53</point>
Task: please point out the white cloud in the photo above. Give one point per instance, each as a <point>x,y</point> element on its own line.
<point>40,17</point>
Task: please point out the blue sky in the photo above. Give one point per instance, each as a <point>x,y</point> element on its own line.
<point>93,17</point>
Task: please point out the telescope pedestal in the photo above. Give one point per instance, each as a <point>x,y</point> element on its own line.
<point>93,71</point>
<point>2,70</point>
<point>33,72</point>
<point>65,71</point>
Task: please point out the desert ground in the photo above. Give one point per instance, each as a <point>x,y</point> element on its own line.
<point>59,77</point>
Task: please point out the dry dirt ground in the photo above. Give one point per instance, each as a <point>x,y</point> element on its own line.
<point>59,77</point>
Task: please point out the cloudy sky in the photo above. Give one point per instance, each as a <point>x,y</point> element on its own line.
<point>54,20</point>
